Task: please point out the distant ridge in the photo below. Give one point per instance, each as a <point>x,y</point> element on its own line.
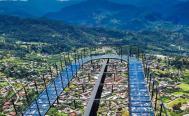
<point>32,8</point>
<point>113,14</point>
<point>101,13</point>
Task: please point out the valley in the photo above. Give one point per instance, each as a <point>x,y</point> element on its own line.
<point>39,39</point>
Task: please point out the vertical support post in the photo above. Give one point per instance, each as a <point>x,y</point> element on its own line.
<point>114,77</point>
<point>116,69</point>
<point>112,88</point>
<point>89,77</point>
<point>144,65</point>
<point>59,74</point>
<point>67,75</point>
<point>36,88</point>
<point>148,77</point>
<point>83,88</point>
<point>56,91</point>
<point>77,57</point>
<point>84,52</point>
<point>130,54</point>
<point>129,104</point>
<point>138,52</point>
<point>56,67</point>
<point>144,62</point>
<point>50,72</point>
<point>61,64</point>
<point>150,84</point>
<point>74,104</point>
<point>38,107</point>
<point>91,56</point>
<point>27,98</point>
<point>121,55</point>
<point>70,64</point>
<point>69,61</point>
<point>152,90</point>
<point>161,109</point>
<point>156,98</point>
<point>143,58</point>
<point>148,72</point>
<point>65,62</point>
<point>14,106</point>
<point>82,60</point>
<point>46,89</point>
<point>75,60</point>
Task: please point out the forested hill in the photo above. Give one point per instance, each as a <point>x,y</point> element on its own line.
<point>53,32</point>
<point>58,36</point>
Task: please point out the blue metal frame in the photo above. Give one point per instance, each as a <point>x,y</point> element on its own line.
<point>139,98</point>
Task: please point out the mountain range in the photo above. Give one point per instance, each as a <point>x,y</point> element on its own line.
<point>101,13</point>
<point>114,14</point>
<point>32,8</point>
<point>108,14</point>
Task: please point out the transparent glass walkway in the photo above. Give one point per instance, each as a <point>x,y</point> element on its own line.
<point>139,99</point>
<point>140,103</point>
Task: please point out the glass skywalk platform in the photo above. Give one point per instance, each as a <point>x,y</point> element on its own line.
<point>140,103</point>
<point>139,98</point>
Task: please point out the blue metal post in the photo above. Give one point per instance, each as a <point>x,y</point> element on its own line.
<point>46,90</point>
<point>38,107</point>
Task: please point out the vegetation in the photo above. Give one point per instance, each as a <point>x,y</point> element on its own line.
<point>172,75</point>
<point>54,112</point>
<point>53,37</point>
